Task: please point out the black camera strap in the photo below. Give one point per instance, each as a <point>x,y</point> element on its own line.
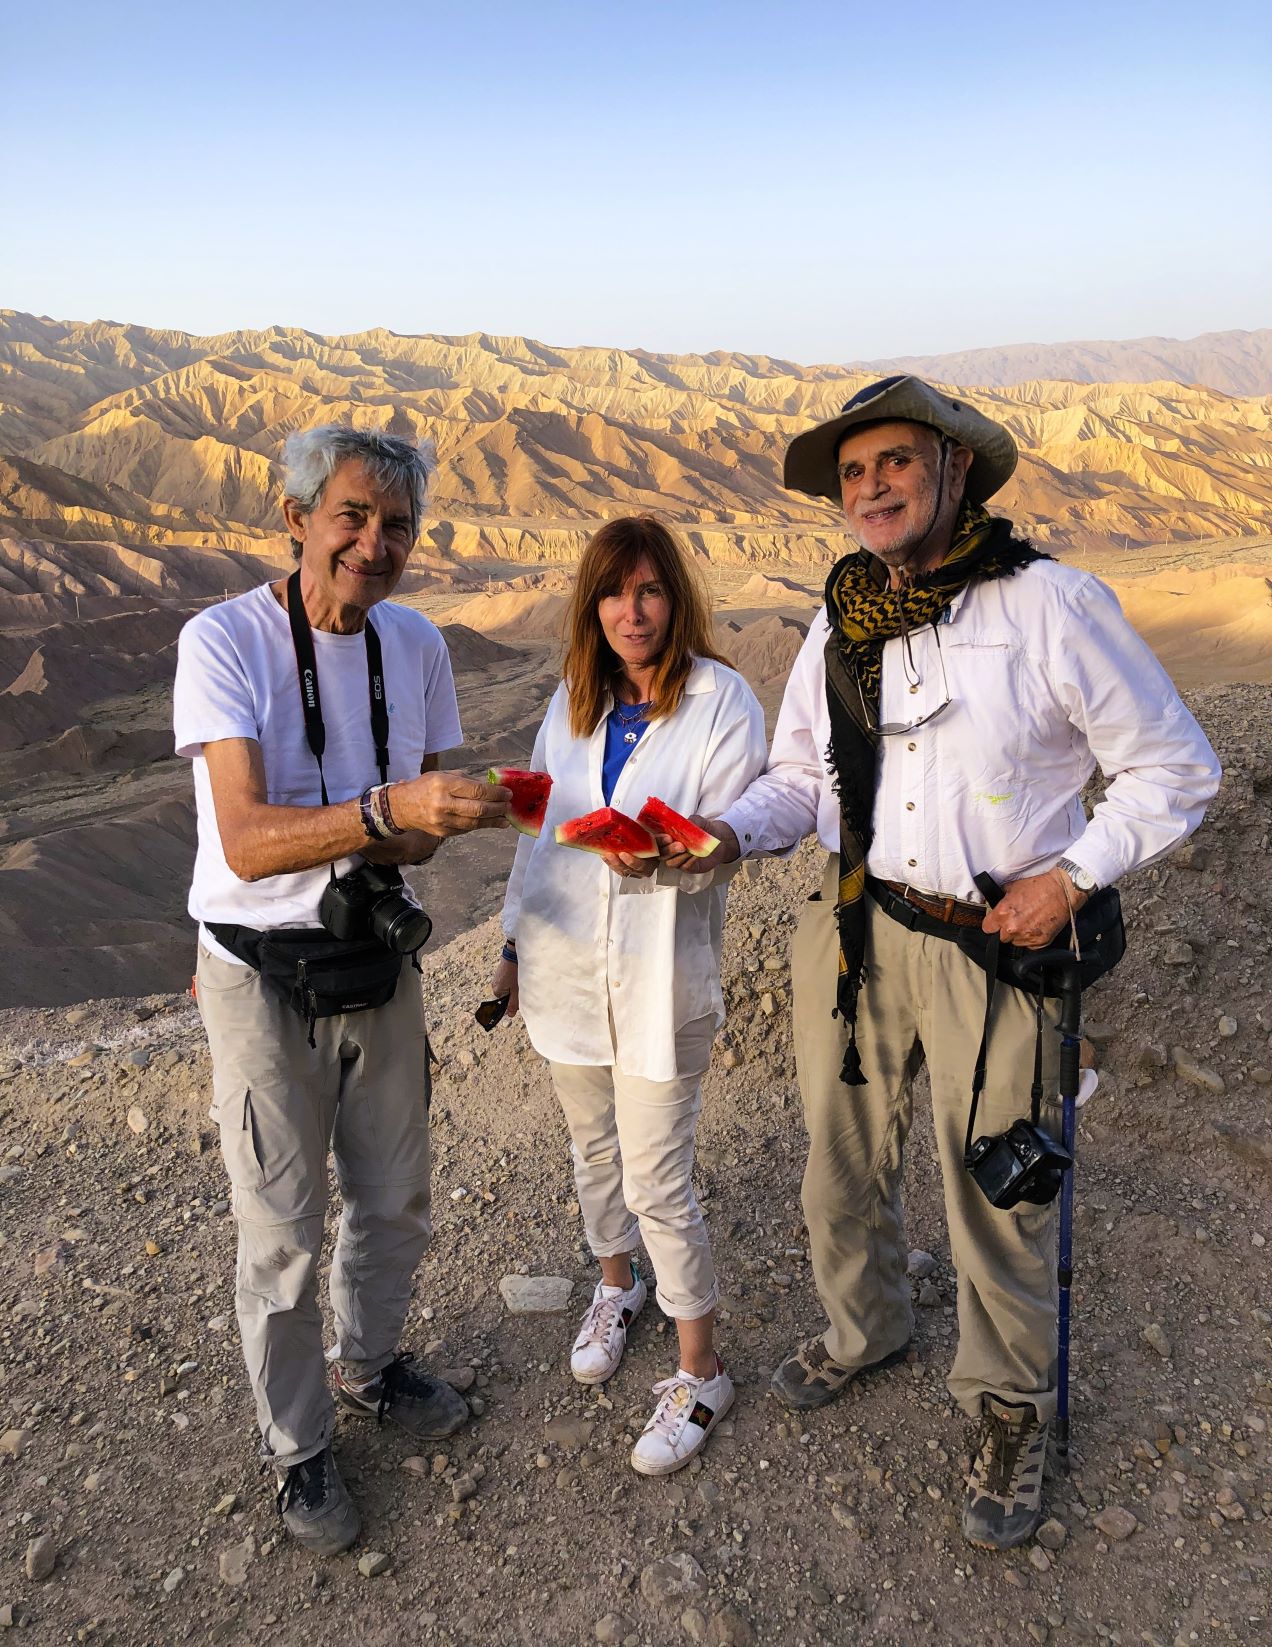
<point>992,946</point>
<point>311,696</point>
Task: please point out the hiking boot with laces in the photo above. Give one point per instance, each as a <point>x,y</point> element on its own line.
<point>810,1376</point>
<point>689,1410</point>
<point>602,1338</point>
<point>1003,1504</point>
<point>315,1505</point>
<point>425,1406</point>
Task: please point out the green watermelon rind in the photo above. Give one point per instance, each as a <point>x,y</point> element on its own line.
<point>667,821</point>
<point>629,836</point>
<point>528,820</point>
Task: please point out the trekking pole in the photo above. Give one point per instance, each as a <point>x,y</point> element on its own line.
<point>1070,1077</point>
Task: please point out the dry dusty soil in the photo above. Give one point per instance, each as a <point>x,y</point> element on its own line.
<point>128,1467</point>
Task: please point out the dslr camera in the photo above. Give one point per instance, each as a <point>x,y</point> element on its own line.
<point>369,902</point>
<point>1022,1164</point>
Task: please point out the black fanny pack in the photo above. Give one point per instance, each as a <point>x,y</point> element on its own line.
<point>316,975</point>
<point>1101,936</point>
<point>1100,929</point>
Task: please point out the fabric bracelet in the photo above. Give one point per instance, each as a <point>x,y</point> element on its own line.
<point>370,823</point>
<point>508,953</point>
<point>383,814</point>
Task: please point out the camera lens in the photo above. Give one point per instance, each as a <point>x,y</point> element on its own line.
<point>399,924</point>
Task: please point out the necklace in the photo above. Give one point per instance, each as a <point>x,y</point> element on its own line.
<point>630,721</point>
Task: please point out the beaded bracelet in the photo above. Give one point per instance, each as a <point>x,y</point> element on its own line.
<point>383,814</point>
<point>370,823</point>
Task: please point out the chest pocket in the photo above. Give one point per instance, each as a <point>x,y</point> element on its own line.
<point>988,716</point>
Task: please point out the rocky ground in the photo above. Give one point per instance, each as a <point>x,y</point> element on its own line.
<point>133,1510</point>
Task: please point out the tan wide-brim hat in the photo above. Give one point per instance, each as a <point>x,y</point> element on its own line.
<point>812,458</point>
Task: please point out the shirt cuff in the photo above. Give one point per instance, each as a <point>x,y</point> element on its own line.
<point>1102,865</point>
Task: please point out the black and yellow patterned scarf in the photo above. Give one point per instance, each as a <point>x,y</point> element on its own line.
<point>863,614</point>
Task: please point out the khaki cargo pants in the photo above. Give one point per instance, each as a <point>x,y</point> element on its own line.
<point>281,1104</point>
<point>923,1000</point>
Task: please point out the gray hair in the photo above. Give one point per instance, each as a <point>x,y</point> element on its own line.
<point>311,456</point>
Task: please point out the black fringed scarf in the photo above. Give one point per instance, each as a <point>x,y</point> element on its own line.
<point>864,613</point>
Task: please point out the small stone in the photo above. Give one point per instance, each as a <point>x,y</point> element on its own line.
<point>929,1296</point>
<point>77,1016</point>
<point>373,1563</point>
<point>729,1628</point>
<point>694,1624</point>
<point>1039,1559</point>
<point>920,1265</point>
<point>139,1057</point>
<point>1052,1534</point>
<point>441,1463</point>
<point>9,1616</point>
<point>568,1430</point>
<point>767,1004</point>
<point>1154,1335</point>
<point>154,1249</point>
<point>674,1579</point>
<point>52,1258</point>
<point>612,1629</point>
<point>1191,856</point>
<point>226,1504</point>
<point>415,1465</point>
<point>137,1121</point>
<point>463,1488</point>
<point>459,1378</point>
<point>174,1580</point>
<point>1197,1075</point>
<point>536,1294</point>
<point>1227,1027</point>
<point>1116,1523</point>
<point>41,1558</point>
<point>234,1562</point>
<point>1178,953</point>
<point>13,1443</point>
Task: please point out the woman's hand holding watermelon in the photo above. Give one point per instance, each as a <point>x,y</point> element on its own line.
<point>679,857</point>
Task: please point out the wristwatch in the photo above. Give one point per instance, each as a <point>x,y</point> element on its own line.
<point>1083,879</point>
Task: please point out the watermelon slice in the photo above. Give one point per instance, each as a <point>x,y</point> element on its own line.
<point>660,819</point>
<point>607,831</point>
<point>530,791</point>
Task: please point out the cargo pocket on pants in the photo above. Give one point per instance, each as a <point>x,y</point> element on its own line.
<point>239,1143</point>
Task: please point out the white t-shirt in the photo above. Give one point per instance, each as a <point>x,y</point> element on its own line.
<point>236,678</point>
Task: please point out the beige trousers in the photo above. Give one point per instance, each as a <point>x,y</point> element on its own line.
<point>632,1145</point>
<point>281,1104</point>
<point>923,1000</point>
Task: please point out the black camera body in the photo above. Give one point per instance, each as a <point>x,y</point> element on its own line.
<point>1022,1164</point>
<point>369,902</point>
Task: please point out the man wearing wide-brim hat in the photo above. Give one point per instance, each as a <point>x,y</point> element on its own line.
<point>951,700</point>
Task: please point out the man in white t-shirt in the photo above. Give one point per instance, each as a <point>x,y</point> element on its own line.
<point>289,703</point>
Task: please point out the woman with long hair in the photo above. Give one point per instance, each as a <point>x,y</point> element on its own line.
<point>615,960</point>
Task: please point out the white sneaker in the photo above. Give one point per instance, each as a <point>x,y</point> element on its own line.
<point>603,1336</point>
<point>688,1412</point>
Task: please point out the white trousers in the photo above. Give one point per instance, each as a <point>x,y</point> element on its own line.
<point>632,1144</point>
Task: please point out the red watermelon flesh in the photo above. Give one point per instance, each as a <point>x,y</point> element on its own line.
<point>530,791</point>
<point>607,831</point>
<point>660,819</point>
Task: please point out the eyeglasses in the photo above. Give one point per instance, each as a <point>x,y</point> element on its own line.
<point>894,729</point>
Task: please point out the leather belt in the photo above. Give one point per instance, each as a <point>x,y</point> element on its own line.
<point>945,911</point>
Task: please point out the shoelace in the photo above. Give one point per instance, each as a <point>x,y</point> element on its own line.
<point>674,1408</point>
<point>1004,1438</point>
<point>601,1316</point>
<point>306,1481</point>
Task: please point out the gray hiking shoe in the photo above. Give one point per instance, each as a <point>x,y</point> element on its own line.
<point>423,1405</point>
<point>315,1505</point>
<point>1003,1504</point>
<point>810,1376</point>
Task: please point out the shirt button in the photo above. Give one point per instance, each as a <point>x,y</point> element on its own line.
<point>747,839</point>
<point>909,806</point>
<point>912,746</point>
<point>913,862</point>
<point>913,690</point>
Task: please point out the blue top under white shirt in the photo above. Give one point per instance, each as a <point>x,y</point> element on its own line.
<point>623,719</point>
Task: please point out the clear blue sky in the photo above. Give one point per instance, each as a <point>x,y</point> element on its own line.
<point>819,181</point>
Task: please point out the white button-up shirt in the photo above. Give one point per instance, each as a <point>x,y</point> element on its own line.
<point>595,948</point>
<point>1046,680</point>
